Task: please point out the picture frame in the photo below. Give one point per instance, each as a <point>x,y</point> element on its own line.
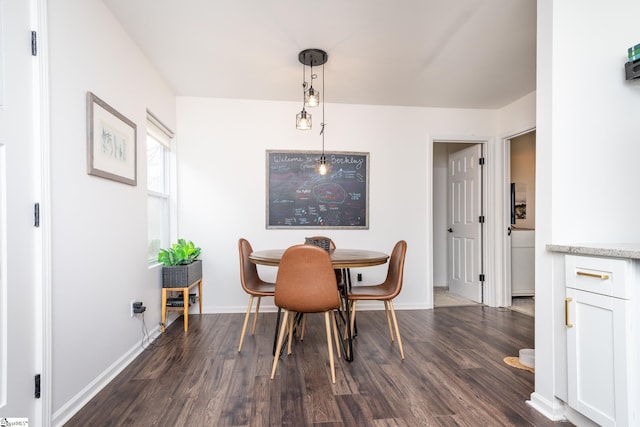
<point>300,198</point>
<point>111,143</point>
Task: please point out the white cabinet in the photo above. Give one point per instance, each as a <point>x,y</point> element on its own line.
<point>522,263</point>
<point>602,362</point>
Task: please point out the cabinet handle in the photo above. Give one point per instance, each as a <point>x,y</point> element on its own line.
<point>567,300</point>
<point>596,275</point>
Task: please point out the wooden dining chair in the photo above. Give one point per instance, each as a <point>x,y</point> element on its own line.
<point>251,284</point>
<point>386,291</point>
<point>306,283</point>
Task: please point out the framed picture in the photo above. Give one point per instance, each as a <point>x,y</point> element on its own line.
<point>299,197</point>
<point>111,143</point>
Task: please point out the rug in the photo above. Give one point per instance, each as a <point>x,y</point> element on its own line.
<point>515,363</point>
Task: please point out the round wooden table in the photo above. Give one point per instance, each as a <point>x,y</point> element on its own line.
<point>340,258</point>
<point>343,259</point>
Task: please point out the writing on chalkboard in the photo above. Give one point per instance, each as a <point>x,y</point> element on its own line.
<point>297,197</point>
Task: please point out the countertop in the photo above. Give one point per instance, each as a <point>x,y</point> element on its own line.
<point>615,250</point>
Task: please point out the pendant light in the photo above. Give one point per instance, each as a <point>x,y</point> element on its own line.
<point>322,166</point>
<point>310,97</point>
<point>303,119</point>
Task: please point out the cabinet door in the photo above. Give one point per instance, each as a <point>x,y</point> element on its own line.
<point>597,356</point>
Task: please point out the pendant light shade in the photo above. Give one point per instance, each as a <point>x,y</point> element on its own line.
<point>303,120</point>
<point>312,98</point>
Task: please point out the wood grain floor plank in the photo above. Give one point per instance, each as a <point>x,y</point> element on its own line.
<point>452,375</point>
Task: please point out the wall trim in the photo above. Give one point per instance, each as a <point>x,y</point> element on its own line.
<point>554,410</point>
<point>77,402</point>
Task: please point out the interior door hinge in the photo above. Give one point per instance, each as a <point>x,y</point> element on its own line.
<point>481,219</point>
<point>37,386</point>
<point>36,215</point>
<point>34,43</point>
<point>481,161</point>
<point>482,277</point>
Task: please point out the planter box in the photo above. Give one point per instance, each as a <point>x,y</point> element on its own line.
<point>181,276</point>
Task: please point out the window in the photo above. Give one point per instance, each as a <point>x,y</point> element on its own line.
<point>158,186</point>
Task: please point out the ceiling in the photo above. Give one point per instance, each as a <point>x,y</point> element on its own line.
<point>431,53</point>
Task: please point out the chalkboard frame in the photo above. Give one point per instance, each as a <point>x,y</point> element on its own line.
<point>310,158</point>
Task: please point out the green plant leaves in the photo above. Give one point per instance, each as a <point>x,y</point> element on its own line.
<point>179,253</point>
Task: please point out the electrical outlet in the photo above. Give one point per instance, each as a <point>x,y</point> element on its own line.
<point>137,307</point>
<point>131,307</point>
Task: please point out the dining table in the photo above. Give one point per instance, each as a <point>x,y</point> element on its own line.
<point>341,259</point>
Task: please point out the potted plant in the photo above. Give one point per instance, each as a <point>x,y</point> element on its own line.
<point>180,264</point>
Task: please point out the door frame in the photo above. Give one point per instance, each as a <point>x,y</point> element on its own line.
<point>504,295</point>
<point>43,265</point>
<point>488,240</point>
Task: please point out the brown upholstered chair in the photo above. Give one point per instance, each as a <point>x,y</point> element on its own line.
<point>251,284</point>
<point>386,291</point>
<point>332,247</point>
<point>306,283</point>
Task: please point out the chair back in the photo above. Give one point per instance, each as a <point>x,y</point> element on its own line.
<point>393,282</point>
<point>309,240</point>
<point>306,282</point>
<point>248,271</point>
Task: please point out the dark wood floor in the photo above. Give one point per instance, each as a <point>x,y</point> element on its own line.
<point>453,375</point>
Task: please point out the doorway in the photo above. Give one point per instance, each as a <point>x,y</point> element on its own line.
<point>521,170</point>
<point>24,309</point>
<point>448,234</point>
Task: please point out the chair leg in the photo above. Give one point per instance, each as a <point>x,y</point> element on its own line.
<point>353,314</point>
<point>386,311</point>
<point>303,324</point>
<point>283,328</point>
<point>335,332</point>
<point>330,346</point>
<point>246,320</point>
<point>291,318</point>
<point>255,316</point>
<point>395,323</point>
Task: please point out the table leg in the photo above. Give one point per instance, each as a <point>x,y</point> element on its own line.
<point>345,295</point>
<point>200,295</point>
<point>185,299</point>
<point>163,319</point>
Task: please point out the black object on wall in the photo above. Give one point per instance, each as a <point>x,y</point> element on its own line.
<point>297,197</point>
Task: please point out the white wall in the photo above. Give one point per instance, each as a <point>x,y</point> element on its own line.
<point>99,227</point>
<point>222,183</point>
<point>587,151</point>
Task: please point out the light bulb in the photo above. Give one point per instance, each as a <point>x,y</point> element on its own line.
<point>312,98</point>
<point>303,120</point>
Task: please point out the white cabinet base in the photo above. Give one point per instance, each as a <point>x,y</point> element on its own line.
<point>602,363</point>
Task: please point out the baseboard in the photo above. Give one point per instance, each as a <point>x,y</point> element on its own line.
<point>69,409</point>
<point>554,410</point>
<point>577,419</point>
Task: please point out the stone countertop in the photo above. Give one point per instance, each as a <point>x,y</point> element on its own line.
<point>615,250</point>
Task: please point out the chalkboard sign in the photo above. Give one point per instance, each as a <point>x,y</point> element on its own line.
<point>298,197</point>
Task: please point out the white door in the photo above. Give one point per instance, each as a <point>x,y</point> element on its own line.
<point>19,333</point>
<point>465,229</point>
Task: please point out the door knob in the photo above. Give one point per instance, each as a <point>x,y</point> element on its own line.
<point>450,230</point>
